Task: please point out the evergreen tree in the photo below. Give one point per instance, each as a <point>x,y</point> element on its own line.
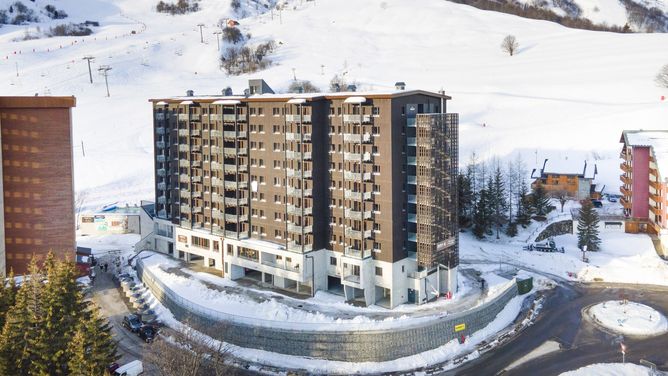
<point>7,297</point>
<point>92,347</point>
<point>19,337</point>
<point>499,205</point>
<point>588,227</point>
<point>465,199</point>
<point>482,218</point>
<point>524,208</point>
<point>540,200</point>
<point>511,230</point>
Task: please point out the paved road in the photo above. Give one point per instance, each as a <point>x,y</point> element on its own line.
<point>581,342</point>
<point>108,297</point>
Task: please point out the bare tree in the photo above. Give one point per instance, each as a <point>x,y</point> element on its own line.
<point>79,201</point>
<point>187,352</point>
<point>510,44</point>
<point>562,196</point>
<point>662,77</point>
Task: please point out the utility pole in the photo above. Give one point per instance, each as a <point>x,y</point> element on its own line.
<point>104,69</point>
<point>90,74</point>
<point>294,75</point>
<point>201,36</point>
<point>218,38</point>
<point>16,64</point>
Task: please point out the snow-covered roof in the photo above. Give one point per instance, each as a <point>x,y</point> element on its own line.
<point>582,168</point>
<point>657,141</point>
<point>306,96</point>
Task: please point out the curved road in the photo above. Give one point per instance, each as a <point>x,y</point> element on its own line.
<point>581,342</point>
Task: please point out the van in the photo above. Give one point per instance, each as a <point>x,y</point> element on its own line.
<point>133,368</point>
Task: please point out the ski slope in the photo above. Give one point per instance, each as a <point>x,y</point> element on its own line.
<point>568,93</point>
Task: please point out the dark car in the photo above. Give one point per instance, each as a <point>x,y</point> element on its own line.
<point>597,203</point>
<point>132,323</point>
<point>112,367</point>
<point>148,333</point>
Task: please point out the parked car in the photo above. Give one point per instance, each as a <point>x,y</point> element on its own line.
<point>148,333</point>
<point>597,203</point>
<point>132,323</point>
<point>612,199</point>
<point>133,368</point>
<point>112,367</point>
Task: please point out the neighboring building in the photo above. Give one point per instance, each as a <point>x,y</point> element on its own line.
<point>351,192</point>
<point>118,220</point>
<point>644,177</point>
<point>576,178</point>
<point>37,180</point>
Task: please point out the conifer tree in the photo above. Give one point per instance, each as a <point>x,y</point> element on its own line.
<point>482,218</point>
<point>499,205</point>
<point>524,208</point>
<point>540,200</point>
<point>588,227</point>
<point>92,347</point>
<point>465,198</point>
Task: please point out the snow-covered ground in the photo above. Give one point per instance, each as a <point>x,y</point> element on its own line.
<point>610,369</point>
<point>323,312</point>
<point>537,103</point>
<point>103,244</point>
<point>630,318</point>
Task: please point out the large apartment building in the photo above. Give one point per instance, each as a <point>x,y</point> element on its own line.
<point>644,180</point>
<point>37,185</point>
<point>346,191</point>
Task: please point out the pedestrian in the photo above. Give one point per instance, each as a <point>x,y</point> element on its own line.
<point>105,267</point>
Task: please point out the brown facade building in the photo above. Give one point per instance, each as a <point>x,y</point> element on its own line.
<point>348,191</point>
<point>37,180</point>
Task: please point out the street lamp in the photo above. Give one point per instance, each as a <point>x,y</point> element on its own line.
<point>201,36</point>
<point>217,33</point>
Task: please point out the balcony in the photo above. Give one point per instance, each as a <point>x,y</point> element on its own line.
<point>162,186</point>
<point>298,118</point>
<point>357,234</point>
<point>229,118</point>
<point>293,246</point>
<point>655,210</point>
<point>232,185</point>
<point>291,173</point>
<point>295,155</point>
<point>356,157</point>
<point>625,179</point>
<point>299,192</point>
<point>357,215</point>
<point>230,168</point>
<point>352,195</point>
<point>625,203</point>
<point>184,147</point>
<point>184,163</point>
<point>298,229</point>
<point>161,158</point>
<point>655,197</point>
<point>350,251</point>
<point>653,171</point>
<point>655,184</point>
<point>160,144</point>
<point>412,199</point>
<point>160,130</point>
<point>195,133</point>
<point>232,201</point>
<point>282,265</point>
<point>183,117</point>
<point>233,135</point>
<point>411,179</point>
<point>161,172</point>
<point>236,217</point>
<point>411,141</point>
<point>356,176</point>
<point>196,179</point>
<point>162,199</point>
<point>302,137</point>
<point>197,209</point>
<point>160,116</point>
<point>353,118</point>
<point>412,218</point>
<point>183,132</point>
<point>625,167</point>
<point>185,208</point>
<point>357,138</point>
<point>297,210</point>
<point>230,151</point>
<point>624,191</point>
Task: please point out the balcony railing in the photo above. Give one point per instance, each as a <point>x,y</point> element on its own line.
<point>235,184</point>
<point>356,118</point>
<point>357,138</point>
<point>357,234</point>
<point>298,155</point>
<point>297,210</point>
<point>184,178</point>
<point>160,116</point>
<point>160,144</point>
<point>356,176</point>
<point>356,195</point>
<point>297,229</point>
<point>625,179</point>
<point>162,199</point>
<point>236,217</point>
<point>183,116</point>
<point>293,246</point>
<point>356,253</point>
<point>298,192</point>
<point>357,215</point>
<point>162,172</point>
<point>185,208</point>
<point>304,137</point>
<point>291,173</point>
<point>625,167</point>
<point>161,158</point>
<point>162,186</point>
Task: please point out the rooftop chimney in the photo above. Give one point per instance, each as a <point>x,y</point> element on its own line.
<point>400,85</point>
<point>227,91</point>
<point>190,93</point>
<point>352,88</point>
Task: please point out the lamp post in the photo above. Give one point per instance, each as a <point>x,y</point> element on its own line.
<point>217,33</point>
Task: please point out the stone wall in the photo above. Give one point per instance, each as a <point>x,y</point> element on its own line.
<point>345,345</point>
<point>556,229</point>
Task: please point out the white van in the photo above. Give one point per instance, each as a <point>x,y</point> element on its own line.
<point>133,368</point>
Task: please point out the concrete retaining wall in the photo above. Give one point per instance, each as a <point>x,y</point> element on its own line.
<point>556,229</point>
<point>350,346</point>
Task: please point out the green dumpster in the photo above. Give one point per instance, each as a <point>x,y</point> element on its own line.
<point>524,285</point>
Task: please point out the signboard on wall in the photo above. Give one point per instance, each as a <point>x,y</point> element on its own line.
<point>460,327</point>
<point>183,239</point>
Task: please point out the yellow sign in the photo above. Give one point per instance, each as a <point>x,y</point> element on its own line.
<point>460,327</point>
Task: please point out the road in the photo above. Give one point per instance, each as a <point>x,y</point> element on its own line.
<point>581,342</point>
<point>108,297</point>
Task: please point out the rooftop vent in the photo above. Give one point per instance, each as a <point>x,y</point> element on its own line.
<point>352,88</point>
<point>227,91</point>
<point>442,92</point>
<point>247,92</point>
<point>190,93</point>
<point>400,85</point>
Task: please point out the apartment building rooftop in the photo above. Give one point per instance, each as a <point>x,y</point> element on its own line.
<point>575,167</point>
<point>657,141</point>
<point>292,96</point>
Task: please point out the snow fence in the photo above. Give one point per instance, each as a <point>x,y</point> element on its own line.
<point>410,337</point>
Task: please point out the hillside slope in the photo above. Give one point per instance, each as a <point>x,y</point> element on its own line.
<point>567,92</point>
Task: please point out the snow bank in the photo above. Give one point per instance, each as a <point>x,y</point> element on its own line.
<point>101,244</point>
<point>630,319</point>
<point>610,369</point>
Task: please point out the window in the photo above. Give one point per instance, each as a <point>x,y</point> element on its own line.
<point>379,271</point>
<point>215,245</point>
<point>275,111</point>
<point>356,270</point>
<point>199,242</point>
<point>230,250</point>
<point>252,111</point>
<point>260,111</point>
<point>332,261</point>
<point>276,128</point>
<point>375,111</point>
<point>277,182</point>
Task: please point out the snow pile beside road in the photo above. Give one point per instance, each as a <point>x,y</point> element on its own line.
<point>610,369</point>
<point>101,244</point>
<point>630,319</point>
